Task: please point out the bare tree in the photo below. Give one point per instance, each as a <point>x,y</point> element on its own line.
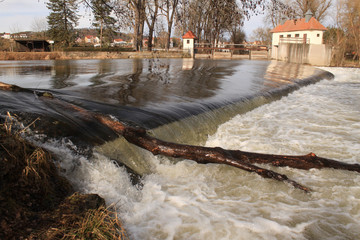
<point>152,12</point>
<point>262,34</point>
<point>349,11</point>
<point>336,38</point>
<point>169,8</point>
<point>319,8</point>
<point>15,28</point>
<point>131,14</point>
<point>277,12</point>
<point>193,15</point>
<point>40,26</point>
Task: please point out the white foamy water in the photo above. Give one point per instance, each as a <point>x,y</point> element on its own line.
<point>192,201</point>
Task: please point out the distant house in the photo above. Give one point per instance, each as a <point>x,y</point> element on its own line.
<point>91,39</point>
<point>22,35</point>
<point>119,40</point>
<point>5,35</point>
<point>296,34</point>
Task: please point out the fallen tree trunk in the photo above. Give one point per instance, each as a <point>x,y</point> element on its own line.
<point>200,154</point>
<point>305,162</point>
<point>203,155</point>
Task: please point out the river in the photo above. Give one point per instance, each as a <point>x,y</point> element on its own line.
<point>185,200</point>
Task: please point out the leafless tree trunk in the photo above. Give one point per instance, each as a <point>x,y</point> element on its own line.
<point>153,9</point>
<point>138,9</point>
<point>351,22</point>
<point>168,7</point>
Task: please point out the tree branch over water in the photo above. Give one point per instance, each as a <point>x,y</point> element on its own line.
<point>203,155</point>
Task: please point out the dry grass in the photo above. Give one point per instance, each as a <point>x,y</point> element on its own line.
<point>35,201</point>
<point>100,224</point>
<point>35,162</point>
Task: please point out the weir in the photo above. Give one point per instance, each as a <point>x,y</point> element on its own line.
<point>177,100</point>
<point>186,200</point>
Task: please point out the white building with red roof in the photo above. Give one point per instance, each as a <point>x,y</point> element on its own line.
<point>305,30</point>
<point>299,34</point>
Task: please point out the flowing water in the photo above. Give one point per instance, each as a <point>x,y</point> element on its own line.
<point>185,200</point>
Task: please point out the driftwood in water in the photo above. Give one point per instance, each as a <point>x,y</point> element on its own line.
<point>203,155</point>
<point>305,162</point>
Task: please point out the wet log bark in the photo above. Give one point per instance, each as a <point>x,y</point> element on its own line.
<point>203,155</point>
<point>305,162</point>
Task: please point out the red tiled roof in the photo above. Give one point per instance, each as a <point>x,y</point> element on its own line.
<point>299,25</point>
<point>190,35</point>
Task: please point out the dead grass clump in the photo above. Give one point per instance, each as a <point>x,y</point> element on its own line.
<point>100,224</point>
<point>28,168</point>
<point>29,182</point>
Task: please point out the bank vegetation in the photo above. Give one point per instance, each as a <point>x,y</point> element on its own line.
<point>37,203</point>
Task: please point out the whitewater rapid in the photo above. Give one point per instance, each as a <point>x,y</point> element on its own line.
<point>192,201</point>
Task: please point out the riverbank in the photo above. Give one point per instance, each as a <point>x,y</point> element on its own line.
<point>37,203</point>
<point>87,55</point>
<point>24,56</point>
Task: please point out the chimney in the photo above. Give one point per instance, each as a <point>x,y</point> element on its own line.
<point>308,16</point>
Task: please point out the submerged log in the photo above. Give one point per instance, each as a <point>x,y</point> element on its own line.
<point>200,154</point>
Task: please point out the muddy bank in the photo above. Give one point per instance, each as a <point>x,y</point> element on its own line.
<point>87,55</point>
<point>37,203</point>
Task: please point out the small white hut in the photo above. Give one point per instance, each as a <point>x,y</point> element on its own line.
<point>189,42</point>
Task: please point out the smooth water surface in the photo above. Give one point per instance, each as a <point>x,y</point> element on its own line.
<point>153,82</point>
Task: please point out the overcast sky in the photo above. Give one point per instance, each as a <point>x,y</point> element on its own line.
<point>20,15</point>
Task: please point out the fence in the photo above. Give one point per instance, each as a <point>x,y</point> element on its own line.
<point>229,50</point>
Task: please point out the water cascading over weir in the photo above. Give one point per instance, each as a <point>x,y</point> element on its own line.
<point>180,101</point>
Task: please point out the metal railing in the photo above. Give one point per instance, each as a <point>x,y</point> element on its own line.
<point>294,40</point>
<point>227,47</point>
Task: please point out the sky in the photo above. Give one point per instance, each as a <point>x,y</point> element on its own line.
<point>20,15</point>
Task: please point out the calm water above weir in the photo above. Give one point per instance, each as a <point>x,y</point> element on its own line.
<point>153,82</point>
<point>165,89</point>
<point>230,104</point>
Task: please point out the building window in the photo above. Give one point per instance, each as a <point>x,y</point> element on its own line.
<point>318,35</point>
<point>289,35</point>
<point>281,36</point>
<point>188,41</point>
<point>297,35</point>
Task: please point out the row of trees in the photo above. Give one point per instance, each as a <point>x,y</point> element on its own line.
<point>344,35</point>
<point>209,19</point>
